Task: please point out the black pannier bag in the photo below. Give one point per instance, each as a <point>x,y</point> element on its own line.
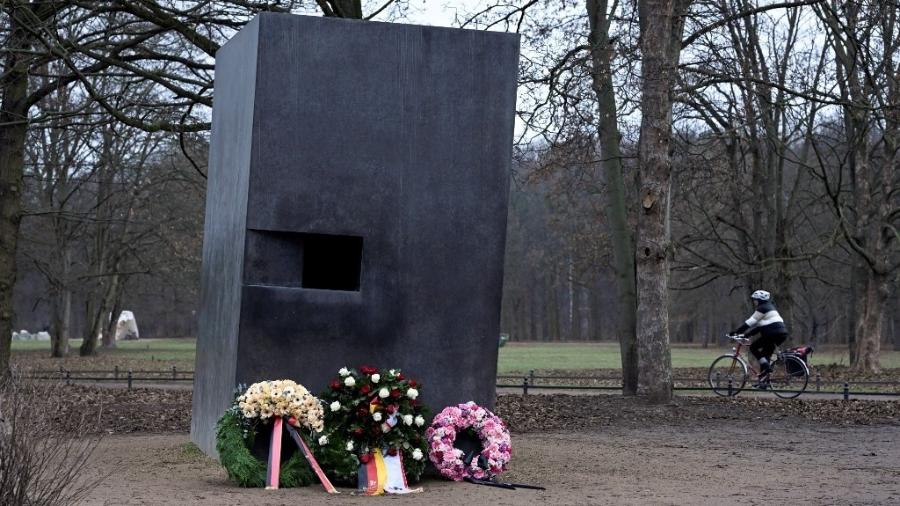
<point>801,352</point>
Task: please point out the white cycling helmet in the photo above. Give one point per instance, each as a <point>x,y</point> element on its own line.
<point>761,295</point>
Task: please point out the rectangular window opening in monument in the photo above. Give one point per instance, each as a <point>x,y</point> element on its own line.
<point>332,262</point>
<point>301,260</point>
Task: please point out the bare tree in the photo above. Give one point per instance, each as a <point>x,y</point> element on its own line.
<point>165,43</point>
<point>865,38</point>
<point>602,51</point>
<point>57,167</point>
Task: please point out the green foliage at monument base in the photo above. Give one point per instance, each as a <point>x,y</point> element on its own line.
<point>245,469</point>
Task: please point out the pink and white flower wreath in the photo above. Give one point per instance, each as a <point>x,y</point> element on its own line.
<point>491,431</point>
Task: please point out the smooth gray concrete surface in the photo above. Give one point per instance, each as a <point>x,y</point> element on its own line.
<point>393,137</point>
<point>226,215</point>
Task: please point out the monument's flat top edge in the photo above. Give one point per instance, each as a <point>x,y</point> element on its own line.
<point>330,19</point>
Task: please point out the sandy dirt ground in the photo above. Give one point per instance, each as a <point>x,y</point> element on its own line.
<point>713,462</point>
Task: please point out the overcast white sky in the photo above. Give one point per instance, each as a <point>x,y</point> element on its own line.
<point>439,12</point>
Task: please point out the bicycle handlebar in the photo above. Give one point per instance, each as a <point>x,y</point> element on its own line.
<point>739,338</point>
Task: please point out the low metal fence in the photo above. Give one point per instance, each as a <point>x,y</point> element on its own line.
<point>117,375</point>
<point>527,383</point>
<point>817,385</point>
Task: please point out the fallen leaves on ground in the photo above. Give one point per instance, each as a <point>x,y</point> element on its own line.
<point>536,413</point>
<point>118,410</point>
<point>148,410</point>
<point>827,378</point>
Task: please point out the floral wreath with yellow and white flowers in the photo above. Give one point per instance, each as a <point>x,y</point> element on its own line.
<point>252,411</point>
<point>368,409</point>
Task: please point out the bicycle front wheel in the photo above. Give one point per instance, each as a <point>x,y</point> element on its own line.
<point>789,377</point>
<point>727,375</point>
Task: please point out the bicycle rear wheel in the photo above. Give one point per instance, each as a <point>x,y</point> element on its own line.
<point>789,377</point>
<point>727,375</point>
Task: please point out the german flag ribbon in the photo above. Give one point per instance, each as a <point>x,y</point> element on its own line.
<point>383,473</point>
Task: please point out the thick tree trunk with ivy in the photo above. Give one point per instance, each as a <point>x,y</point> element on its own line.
<point>661,25</point>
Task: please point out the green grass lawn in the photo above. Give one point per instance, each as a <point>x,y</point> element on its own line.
<point>161,349</point>
<point>514,357</point>
<point>522,357</point>
<point>145,354</point>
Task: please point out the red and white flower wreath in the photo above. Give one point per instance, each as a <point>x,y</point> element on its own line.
<point>496,449</point>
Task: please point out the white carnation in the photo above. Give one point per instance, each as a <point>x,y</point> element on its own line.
<point>349,446</point>
<point>376,416</point>
<point>335,406</point>
<point>408,419</point>
<point>417,454</point>
<point>376,378</point>
<point>344,371</point>
<point>420,421</point>
<point>384,392</point>
<point>412,393</point>
<point>349,381</point>
<point>323,440</point>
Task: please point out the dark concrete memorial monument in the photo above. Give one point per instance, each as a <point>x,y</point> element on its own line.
<point>356,208</point>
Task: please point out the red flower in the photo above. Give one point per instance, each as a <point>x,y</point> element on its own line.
<point>376,401</point>
<point>392,408</point>
<point>412,383</point>
<point>365,458</point>
<point>335,385</point>
<point>365,369</point>
<point>399,376</point>
<point>365,389</point>
<point>392,452</point>
<point>395,393</point>
<point>413,402</point>
<point>362,412</point>
<point>358,432</point>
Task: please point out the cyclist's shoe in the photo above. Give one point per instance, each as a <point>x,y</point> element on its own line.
<point>762,382</point>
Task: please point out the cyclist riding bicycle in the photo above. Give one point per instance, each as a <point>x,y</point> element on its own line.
<point>768,323</point>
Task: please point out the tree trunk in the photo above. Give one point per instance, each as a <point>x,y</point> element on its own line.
<point>13,129</point>
<point>62,313</point>
<point>868,340</point>
<point>853,314</point>
<point>661,24</point>
<point>616,208</point>
<point>347,8</point>
<point>570,299</point>
<point>92,319</point>
<point>894,335</point>
<point>114,305</point>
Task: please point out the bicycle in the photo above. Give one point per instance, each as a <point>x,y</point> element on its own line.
<point>728,373</point>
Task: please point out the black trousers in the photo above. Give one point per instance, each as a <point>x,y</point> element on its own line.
<point>765,345</point>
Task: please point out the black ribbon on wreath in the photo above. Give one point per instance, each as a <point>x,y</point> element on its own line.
<point>471,446</point>
<point>263,439</point>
